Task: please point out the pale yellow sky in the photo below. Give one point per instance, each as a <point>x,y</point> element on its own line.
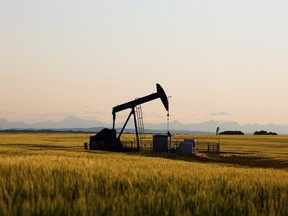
<point>222,61</point>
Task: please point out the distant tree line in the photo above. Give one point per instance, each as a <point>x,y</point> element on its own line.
<point>262,132</point>
<point>232,133</point>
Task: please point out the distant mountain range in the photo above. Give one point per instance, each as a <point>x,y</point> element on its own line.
<point>77,124</point>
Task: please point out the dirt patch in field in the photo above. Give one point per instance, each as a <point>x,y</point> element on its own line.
<point>227,158</point>
<point>241,160</point>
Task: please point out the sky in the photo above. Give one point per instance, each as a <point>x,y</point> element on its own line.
<point>218,60</point>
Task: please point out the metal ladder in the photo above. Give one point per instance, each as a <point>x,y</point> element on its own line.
<point>140,124</point>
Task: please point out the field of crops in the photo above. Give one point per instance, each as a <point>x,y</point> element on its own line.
<point>52,174</point>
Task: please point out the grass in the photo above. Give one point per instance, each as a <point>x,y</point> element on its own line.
<point>51,174</point>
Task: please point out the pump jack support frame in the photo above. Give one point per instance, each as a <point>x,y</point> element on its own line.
<point>136,128</point>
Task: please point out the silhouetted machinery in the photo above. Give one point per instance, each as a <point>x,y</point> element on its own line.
<point>108,140</point>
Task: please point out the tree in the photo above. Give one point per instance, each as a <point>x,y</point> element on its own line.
<point>232,133</point>
<point>262,132</point>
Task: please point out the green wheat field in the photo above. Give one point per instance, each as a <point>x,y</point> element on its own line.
<point>52,174</point>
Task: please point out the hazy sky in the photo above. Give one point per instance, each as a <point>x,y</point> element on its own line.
<point>219,60</point>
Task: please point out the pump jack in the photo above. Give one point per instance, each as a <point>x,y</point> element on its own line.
<point>106,139</point>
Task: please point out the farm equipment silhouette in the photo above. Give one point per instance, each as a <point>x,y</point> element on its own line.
<point>108,140</point>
